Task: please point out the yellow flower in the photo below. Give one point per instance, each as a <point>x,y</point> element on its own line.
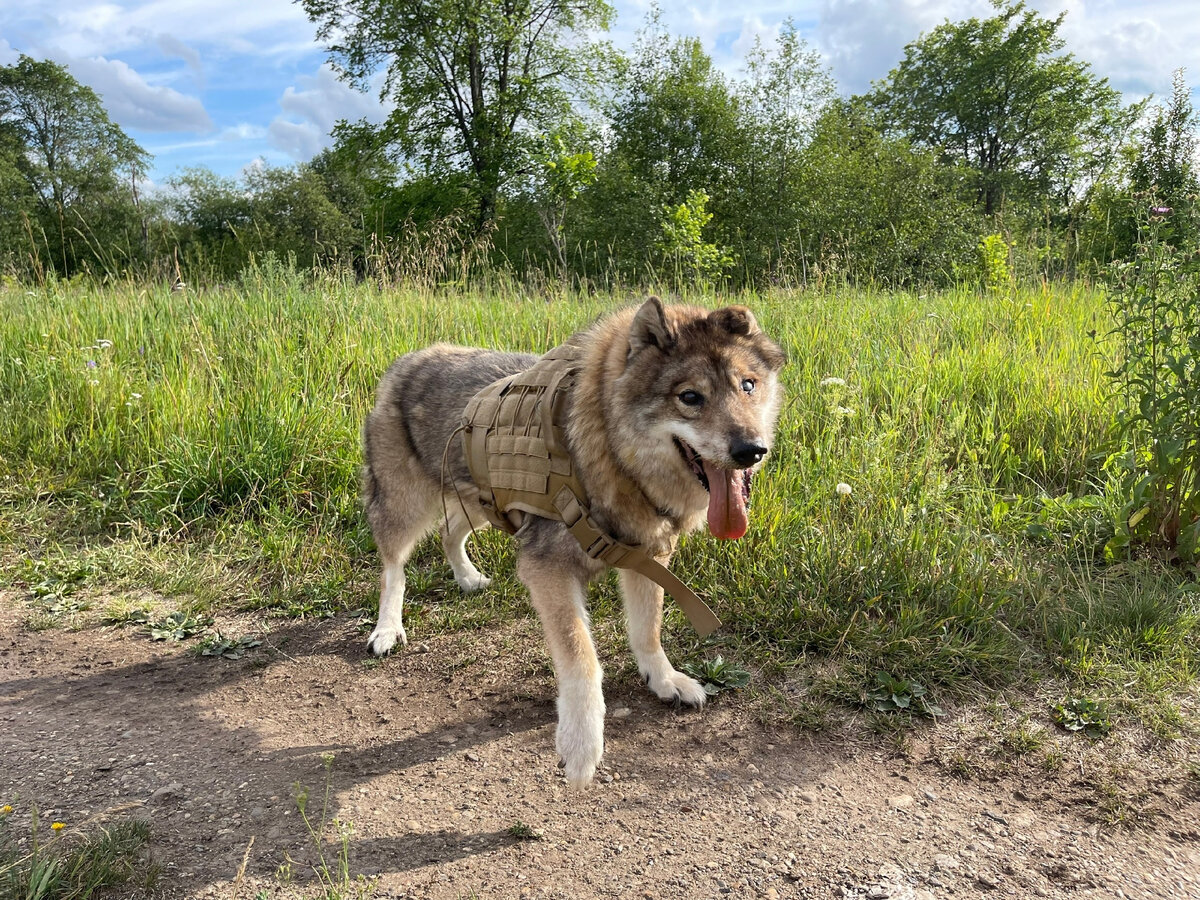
<point>58,826</point>
<point>6,809</point>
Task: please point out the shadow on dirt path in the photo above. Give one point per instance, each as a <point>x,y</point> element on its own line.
<point>439,758</point>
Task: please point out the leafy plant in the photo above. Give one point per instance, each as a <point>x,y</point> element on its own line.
<point>1083,714</point>
<point>54,580</point>
<point>717,675</point>
<point>523,832</point>
<point>218,644</point>
<point>993,262</point>
<point>1156,301</point>
<point>895,695</point>
<point>696,260</point>
<point>178,626</point>
<point>334,876</point>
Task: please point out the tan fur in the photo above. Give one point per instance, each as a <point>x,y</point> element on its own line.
<point>626,412</point>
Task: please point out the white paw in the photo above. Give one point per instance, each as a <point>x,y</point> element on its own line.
<point>471,582</point>
<point>384,638</point>
<point>580,759</point>
<point>675,687</point>
<point>580,737</point>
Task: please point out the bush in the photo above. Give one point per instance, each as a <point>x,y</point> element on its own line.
<point>1156,300</point>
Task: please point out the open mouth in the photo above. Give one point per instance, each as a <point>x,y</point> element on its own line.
<point>728,492</point>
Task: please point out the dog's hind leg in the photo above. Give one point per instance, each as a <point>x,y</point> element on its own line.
<point>643,619</point>
<point>559,596</point>
<point>456,529</point>
<point>397,530</point>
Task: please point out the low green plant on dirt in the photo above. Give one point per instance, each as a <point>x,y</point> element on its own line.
<point>1083,714</point>
<point>60,861</point>
<point>717,675</point>
<point>332,871</point>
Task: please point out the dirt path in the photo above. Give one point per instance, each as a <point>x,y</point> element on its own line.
<point>438,754</point>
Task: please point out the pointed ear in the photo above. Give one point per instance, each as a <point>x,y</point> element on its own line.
<point>735,320</point>
<point>650,328</point>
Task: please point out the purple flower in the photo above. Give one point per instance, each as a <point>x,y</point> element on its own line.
<point>91,364</point>
<point>1160,210</point>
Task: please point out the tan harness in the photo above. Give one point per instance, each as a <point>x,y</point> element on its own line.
<point>514,440</point>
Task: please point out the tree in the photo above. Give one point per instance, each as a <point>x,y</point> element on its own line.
<point>784,92</point>
<point>675,120</point>
<point>999,95</point>
<point>469,79</point>
<point>1164,166</point>
<point>874,207</point>
<point>73,160</point>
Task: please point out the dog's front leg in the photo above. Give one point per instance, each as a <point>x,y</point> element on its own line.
<point>643,618</point>
<point>559,595</point>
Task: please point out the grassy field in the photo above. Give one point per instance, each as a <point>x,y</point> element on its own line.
<point>204,446</point>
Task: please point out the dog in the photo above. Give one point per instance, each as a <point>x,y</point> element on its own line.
<point>672,411</point>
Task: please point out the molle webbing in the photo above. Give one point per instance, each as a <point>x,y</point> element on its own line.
<point>514,441</point>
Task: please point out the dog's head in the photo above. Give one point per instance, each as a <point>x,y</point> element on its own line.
<point>702,393</point>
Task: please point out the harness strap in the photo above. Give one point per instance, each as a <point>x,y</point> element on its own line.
<point>607,549</point>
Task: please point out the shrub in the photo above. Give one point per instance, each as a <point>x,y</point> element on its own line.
<point>1156,300</point>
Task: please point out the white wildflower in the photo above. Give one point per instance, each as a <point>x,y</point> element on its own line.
<point>833,381</point>
<point>135,396</point>
<point>93,382</point>
<point>845,411</point>
<point>843,489</point>
<point>103,344</point>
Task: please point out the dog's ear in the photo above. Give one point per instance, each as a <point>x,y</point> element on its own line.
<point>650,328</point>
<point>735,320</point>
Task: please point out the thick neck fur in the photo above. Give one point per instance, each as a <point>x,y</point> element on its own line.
<point>627,486</point>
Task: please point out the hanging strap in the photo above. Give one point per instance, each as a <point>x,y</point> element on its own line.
<point>604,547</point>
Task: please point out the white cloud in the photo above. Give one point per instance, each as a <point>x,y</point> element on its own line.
<point>133,103</point>
<point>311,109</point>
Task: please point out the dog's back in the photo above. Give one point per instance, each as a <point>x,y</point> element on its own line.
<point>418,406</point>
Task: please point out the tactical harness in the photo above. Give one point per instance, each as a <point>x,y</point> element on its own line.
<point>514,440</point>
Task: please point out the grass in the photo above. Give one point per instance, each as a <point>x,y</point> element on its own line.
<point>56,862</point>
<point>205,446</point>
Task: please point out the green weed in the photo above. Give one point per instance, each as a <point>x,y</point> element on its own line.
<point>71,863</point>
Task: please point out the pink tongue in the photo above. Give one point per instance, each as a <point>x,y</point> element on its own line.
<point>726,502</point>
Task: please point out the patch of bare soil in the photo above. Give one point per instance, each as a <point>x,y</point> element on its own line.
<point>439,754</point>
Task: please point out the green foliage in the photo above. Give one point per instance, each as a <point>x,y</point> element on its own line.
<point>717,675</point>
<point>74,863</point>
<point>468,80</point>
<point>694,260</point>
<point>1083,714</point>
<point>874,208</point>
<point>220,645</point>
<point>563,174</point>
<point>522,832</point>
<point>786,89</point>
<point>1156,303</point>
<point>993,262</point>
<point>893,695</point>
<point>1165,165</point>
<point>998,96</point>
<point>333,875</point>
<point>64,171</point>
<point>178,626</point>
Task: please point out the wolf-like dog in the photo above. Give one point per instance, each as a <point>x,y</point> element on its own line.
<point>672,412</point>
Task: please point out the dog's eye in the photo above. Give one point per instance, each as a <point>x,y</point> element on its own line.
<point>748,385</point>
<point>690,398</point>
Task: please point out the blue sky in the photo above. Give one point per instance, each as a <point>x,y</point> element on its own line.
<point>223,83</point>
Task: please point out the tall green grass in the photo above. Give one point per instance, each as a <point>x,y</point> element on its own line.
<point>218,433</point>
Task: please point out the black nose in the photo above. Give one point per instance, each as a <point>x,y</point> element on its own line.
<point>746,453</point>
